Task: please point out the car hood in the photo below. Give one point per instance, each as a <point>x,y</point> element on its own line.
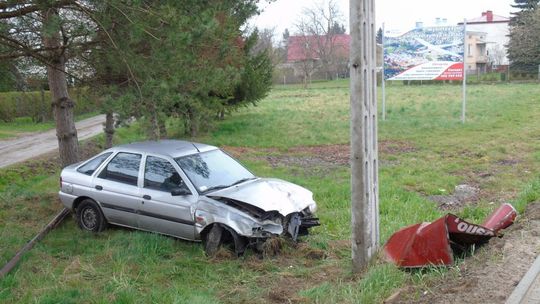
<point>269,194</point>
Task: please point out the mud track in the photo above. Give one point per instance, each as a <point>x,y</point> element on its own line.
<point>35,144</point>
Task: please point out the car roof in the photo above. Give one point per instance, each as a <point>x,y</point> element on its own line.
<point>172,148</point>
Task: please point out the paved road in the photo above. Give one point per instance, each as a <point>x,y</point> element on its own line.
<point>29,146</point>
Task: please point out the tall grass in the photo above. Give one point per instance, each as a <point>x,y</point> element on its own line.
<point>424,150</point>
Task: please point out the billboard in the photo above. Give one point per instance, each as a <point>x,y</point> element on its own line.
<point>428,53</point>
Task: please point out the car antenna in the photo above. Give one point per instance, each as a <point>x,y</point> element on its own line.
<point>196,147</point>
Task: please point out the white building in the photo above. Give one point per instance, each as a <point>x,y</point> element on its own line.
<point>497,30</point>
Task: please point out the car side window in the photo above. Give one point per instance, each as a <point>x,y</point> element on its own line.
<point>90,166</point>
<point>159,174</point>
<point>123,168</point>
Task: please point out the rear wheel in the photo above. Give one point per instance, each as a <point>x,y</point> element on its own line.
<point>89,216</point>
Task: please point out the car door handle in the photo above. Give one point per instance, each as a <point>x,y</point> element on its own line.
<point>147,197</point>
<point>98,187</point>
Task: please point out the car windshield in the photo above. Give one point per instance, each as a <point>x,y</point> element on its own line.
<point>213,170</point>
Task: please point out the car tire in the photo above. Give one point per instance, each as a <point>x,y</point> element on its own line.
<point>90,217</point>
<point>212,240</point>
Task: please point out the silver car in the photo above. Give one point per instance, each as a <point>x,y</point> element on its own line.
<point>187,190</point>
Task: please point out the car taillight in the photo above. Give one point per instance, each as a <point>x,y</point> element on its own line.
<point>60,182</point>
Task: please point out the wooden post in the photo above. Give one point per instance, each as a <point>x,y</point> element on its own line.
<point>17,257</point>
<point>364,159</point>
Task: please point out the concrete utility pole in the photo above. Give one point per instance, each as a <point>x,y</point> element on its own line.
<point>364,159</point>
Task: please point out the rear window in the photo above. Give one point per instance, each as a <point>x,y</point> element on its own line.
<point>123,168</point>
<point>90,166</point>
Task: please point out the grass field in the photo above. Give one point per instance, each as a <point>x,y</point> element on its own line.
<point>301,136</point>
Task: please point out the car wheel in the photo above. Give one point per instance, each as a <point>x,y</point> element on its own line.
<point>89,216</point>
<point>212,240</point>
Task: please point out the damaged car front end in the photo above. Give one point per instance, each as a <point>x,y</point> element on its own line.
<point>245,210</point>
<point>254,212</point>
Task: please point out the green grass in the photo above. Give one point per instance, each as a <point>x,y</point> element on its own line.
<point>22,125</point>
<point>424,150</point>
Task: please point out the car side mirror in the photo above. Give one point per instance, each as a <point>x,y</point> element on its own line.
<point>180,191</point>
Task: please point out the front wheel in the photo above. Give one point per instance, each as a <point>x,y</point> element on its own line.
<point>213,240</point>
<point>89,216</point>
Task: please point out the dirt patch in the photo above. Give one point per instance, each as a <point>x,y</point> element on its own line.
<point>463,194</point>
<point>492,273</point>
<point>315,158</point>
<point>508,162</point>
<point>396,147</point>
<point>296,266</point>
<point>285,290</point>
<point>38,143</point>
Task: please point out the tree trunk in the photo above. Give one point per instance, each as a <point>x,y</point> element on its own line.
<point>193,123</point>
<point>153,131</point>
<point>43,109</point>
<point>20,82</point>
<point>162,127</point>
<point>66,133</point>
<point>109,129</point>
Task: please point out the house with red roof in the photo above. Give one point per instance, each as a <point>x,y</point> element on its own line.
<point>313,47</point>
<point>322,56</point>
<point>496,28</point>
<point>318,57</point>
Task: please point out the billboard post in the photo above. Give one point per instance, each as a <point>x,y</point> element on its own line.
<point>464,102</point>
<point>384,80</point>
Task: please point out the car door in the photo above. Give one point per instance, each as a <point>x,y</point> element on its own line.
<point>160,210</point>
<point>116,189</point>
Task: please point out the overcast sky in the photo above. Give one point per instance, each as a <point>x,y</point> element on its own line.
<point>396,14</point>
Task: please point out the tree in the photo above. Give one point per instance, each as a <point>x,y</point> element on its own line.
<point>379,37</point>
<point>50,32</point>
<point>523,6</point>
<point>524,43</point>
<point>319,27</point>
<point>496,55</point>
<point>186,59</point>
<point>337,29</point>
<point>256,74</point>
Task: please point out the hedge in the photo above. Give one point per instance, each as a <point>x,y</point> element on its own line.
<point>37,105</point>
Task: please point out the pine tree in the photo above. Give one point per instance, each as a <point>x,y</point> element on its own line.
<point>524,6</point>
<point>524,44</point>
<point>186,59</point>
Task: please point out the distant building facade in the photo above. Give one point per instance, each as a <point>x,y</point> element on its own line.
<point>496,29</point>
<point>476,61</point>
